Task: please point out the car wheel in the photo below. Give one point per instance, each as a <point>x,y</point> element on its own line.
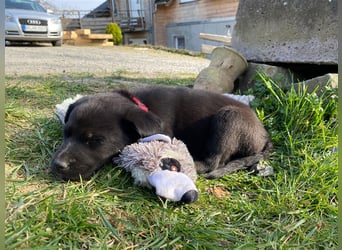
<point>57,43</point>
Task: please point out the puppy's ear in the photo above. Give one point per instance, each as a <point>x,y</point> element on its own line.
<point>72,107</point>
<point>144,123</point>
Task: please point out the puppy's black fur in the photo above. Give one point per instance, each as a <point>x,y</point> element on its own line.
<point>222,135</point>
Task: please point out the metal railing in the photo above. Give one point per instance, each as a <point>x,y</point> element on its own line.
<point>97,21</point>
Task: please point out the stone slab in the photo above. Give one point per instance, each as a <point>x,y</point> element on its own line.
<point>283,31</point>
<point>319,83</point>
<point>282,75</point>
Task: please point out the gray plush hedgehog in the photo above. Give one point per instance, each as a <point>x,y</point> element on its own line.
<point>163,163</point>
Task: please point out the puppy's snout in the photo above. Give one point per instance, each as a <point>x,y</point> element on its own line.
<point>60,165</point>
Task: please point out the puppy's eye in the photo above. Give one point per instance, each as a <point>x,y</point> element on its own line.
<point>92,140</point>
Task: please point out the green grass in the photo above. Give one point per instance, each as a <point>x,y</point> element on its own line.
<point>294,209</point>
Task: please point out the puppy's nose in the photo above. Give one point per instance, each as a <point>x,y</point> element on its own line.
<point>190,196</point>
<point>60,165</point>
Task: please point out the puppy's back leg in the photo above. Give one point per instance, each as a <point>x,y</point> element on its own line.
<point>238,142</point>
<point>244,163</point>
<point>236,165</point>
<point>223,140</point>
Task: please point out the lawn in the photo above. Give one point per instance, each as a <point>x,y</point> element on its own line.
<point>295,208</point>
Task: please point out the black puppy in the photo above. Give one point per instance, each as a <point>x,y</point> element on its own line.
<point>222,135</point>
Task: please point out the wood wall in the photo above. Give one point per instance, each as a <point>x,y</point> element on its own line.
<point>198,10</point>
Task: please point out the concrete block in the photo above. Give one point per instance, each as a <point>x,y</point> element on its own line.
<point>282,75</point>
<point>283,31</point>
<point>320,82</point>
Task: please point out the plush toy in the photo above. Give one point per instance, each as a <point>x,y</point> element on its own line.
<point>163,163</point>
<point>246,99</point>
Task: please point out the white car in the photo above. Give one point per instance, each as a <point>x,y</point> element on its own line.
<point>28,21</point>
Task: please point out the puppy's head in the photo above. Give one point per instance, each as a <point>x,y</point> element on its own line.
<point>96,128</point>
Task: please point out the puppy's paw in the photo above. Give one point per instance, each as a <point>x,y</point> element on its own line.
<point>214,174</point>
<point>263,169</point>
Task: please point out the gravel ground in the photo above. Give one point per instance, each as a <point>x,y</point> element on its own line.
<point>42,59</point>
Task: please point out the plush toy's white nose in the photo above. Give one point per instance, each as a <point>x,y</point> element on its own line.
<point>175,186</point>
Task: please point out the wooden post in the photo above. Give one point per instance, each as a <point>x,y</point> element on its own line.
<point>225,66</point>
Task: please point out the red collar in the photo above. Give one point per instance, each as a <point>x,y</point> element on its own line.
<point>133,99</point>
<point>139,103</point>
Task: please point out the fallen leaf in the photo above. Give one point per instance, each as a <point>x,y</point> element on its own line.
<point>219,192</point>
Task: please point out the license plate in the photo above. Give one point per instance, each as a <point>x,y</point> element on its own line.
<point>34,28</point>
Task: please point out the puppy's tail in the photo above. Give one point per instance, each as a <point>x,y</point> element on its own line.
<point>245,163</point>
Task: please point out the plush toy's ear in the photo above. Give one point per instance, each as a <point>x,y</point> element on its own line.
<point>144,123</point>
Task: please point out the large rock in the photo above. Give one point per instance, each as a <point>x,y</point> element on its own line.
<point>281,75</point>
<point>294,31</point>
<point>318,84</point>
<point>284,77</point>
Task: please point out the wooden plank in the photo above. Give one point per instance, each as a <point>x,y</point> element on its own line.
<point>216,38</point>
<point>84,37</point>
<point>98,36</point>
<point>207,49</point>
<point>69,35</point>
<point>83,31</point>
<point>87,42</point>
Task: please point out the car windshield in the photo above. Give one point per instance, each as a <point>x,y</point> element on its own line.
<point>24,5</point>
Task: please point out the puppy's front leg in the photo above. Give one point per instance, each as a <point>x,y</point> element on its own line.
<point>223,142</point>
<point>202,168</point>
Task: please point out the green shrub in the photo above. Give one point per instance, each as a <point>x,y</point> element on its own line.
<point>115,30</point>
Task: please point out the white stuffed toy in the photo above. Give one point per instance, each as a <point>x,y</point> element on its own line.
<point>246,99</point>
<point>163,163</point>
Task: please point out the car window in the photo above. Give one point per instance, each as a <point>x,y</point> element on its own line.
<point>23,5</point>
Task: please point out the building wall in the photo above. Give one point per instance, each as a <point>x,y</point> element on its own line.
<point>188,33</point>
<point>191,18</point>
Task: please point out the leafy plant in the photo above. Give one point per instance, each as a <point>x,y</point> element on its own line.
<point>294,112</point>
<point>115,30</point>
